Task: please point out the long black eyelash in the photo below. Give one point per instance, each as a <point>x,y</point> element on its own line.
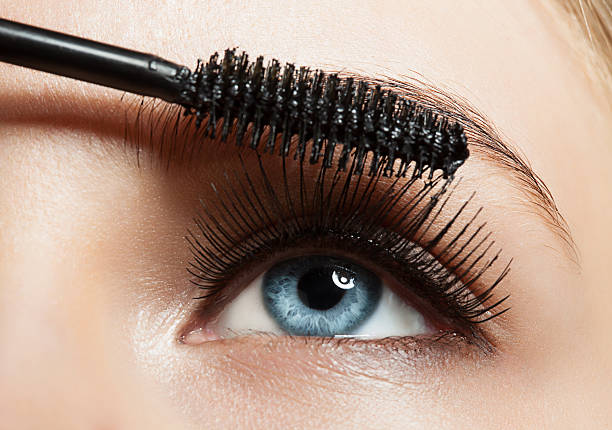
<point>252,217</point>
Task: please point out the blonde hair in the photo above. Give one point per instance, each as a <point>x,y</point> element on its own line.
<point>593,19</point>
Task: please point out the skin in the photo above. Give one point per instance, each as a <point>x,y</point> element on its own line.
<point>93,287</point>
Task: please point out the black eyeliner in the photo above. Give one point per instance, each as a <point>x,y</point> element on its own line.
<point>266,105</point>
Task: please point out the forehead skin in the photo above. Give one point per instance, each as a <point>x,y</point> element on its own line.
<point>513,65</point>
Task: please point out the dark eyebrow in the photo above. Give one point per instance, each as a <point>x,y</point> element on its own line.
<point>486,141</point>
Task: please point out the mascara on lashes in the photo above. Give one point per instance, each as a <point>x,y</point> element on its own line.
<point>281,103</point>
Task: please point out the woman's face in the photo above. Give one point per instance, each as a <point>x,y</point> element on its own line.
<point>98,323</point>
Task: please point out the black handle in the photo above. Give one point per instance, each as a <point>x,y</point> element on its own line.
<point>90,61</point>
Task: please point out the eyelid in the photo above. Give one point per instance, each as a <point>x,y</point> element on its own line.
<point>228,145</point>
<point>175,136</point>
<point>350,356</point>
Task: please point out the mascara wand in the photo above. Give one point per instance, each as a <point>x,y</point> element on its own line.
<point>270,104</point>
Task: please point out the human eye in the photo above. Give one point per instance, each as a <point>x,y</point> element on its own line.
<point>321,295</point>
<point>350,244</point>
<point>343,256</point>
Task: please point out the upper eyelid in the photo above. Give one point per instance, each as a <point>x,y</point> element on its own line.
<point>88,114</point>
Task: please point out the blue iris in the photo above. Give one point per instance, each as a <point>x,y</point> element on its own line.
<point>319,295</point>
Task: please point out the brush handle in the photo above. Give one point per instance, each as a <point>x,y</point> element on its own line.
<point>90,61</point>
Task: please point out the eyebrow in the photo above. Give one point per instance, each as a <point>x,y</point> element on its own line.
<point>484,139</point>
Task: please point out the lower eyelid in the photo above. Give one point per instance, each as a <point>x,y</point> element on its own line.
<point>394,360</point>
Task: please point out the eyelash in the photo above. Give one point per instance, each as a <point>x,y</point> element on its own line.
<point>344,215</point>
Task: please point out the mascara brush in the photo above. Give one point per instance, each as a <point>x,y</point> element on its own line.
<point>266,105</point>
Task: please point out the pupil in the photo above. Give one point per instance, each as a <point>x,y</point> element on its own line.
<point>317,290</point>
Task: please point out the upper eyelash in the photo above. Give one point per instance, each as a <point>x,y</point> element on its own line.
<point>251,230</point>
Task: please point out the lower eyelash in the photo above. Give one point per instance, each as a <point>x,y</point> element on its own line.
<point>404,348</point>
<point>246,224</point>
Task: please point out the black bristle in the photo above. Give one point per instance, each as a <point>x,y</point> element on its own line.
<point>322,111</point>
